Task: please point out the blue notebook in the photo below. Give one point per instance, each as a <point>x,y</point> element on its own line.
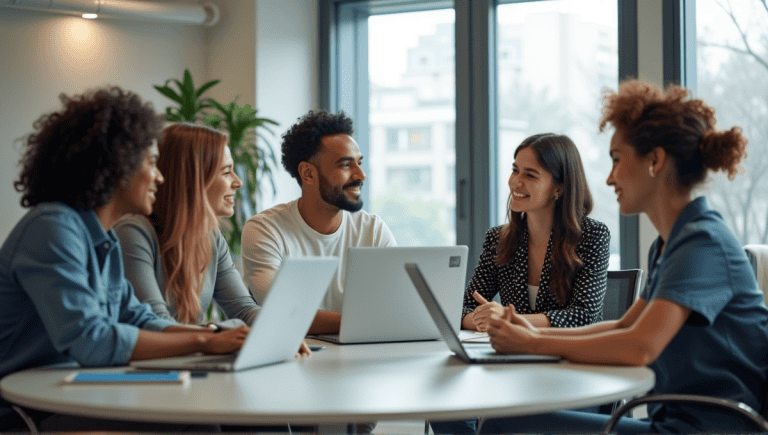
<point>85,378</point>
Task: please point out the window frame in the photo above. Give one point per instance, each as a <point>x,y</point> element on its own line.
<point>343,85</point>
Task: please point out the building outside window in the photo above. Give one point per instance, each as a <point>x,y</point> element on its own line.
<point>554,58</point>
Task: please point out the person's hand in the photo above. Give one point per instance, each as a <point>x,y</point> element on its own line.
<point>482,314</point>
<point>510,332</point>
<point>303,350</point>
<point>517,319</point>
<point>227,341</point>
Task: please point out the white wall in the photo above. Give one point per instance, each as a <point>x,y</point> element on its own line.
<point>44,54</point>
<point>231,52</point>
<point>286,75</point>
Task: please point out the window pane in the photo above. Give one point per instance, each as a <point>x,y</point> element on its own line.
<point>412,121</point>
<point>733,78</point>
<point>554,58</point>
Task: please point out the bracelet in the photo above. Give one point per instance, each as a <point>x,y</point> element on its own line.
<point>216,328</point>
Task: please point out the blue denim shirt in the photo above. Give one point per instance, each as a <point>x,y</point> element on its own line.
<point>63,296</point>
<point>721,349</point>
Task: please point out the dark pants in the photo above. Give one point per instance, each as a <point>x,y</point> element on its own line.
<point>49,422</point>
<point>564,422</point>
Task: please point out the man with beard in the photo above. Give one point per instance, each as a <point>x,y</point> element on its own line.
<point>320,153</point>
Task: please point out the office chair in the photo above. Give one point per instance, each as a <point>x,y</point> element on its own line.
<point>756,254</point>
<point>758,258</point>
<point>621,292</point>
<point>745,410</point>
<point>619,295</point>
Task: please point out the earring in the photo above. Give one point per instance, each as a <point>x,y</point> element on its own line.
<point>650,171</point>
<point>556,197</point>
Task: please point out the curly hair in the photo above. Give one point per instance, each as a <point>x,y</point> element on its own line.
<point>302,141</point>
<point>684,127</point>
<point>558,155</point>
<point>79,154</point>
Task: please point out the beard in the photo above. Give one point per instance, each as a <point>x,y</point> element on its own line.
<point>336,196</point>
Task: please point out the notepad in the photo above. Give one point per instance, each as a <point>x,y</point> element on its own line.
<point>477,337</point>
<point>132,377</point>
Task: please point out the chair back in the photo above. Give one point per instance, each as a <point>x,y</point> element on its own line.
<point>758,258</point>
<point>620,294</point>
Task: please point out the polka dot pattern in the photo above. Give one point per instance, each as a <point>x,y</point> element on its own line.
<point>510,280</point>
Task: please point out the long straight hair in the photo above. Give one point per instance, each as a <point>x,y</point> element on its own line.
<point>190,157</point>
<point>558,155</point>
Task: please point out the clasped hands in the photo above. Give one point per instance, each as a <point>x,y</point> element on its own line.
<point>507,330</point>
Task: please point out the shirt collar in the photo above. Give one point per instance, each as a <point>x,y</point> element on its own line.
<point>95,230</point>
<point>695,208</point>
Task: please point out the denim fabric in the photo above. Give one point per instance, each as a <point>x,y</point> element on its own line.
<point>63,295</point>
<point>564,422</point>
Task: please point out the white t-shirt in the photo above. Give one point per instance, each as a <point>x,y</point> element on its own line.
<point>533,290</point>
<point>281,232</point>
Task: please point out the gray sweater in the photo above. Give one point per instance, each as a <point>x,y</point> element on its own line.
<point>144,269</point>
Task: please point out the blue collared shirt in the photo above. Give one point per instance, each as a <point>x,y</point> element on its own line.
<point>721,349</point>
<point>63,296</point>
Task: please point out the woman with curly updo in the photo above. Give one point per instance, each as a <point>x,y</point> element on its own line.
<point>63,296</point>
<point>700,321</point>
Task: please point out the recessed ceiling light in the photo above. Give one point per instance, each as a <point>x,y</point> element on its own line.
<point>90,16</point>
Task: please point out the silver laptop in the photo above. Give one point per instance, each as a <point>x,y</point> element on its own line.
<point>475,353</point>
<point>379,304</point>
<point>280,327</point>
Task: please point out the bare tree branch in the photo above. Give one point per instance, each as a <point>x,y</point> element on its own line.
<point>748,49</point>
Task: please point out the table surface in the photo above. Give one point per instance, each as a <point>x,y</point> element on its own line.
<point>363,382</point>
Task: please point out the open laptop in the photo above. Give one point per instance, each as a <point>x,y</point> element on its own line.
<point>280,327</point>
<point>475,353</point>
<point>379,304</point>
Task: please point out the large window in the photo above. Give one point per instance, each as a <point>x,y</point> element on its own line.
<point>553,60</point>
<point>411,81</point>
<point>442,92</point>
<point>732,70</point>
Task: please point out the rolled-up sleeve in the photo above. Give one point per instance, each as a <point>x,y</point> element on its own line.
<point>139,314</point>
<point>75,314</point>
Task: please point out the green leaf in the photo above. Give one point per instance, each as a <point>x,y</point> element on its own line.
<point>205,87</point>
<point>168,92</point>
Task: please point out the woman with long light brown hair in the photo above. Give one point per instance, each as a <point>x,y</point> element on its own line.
<point>177,258</point>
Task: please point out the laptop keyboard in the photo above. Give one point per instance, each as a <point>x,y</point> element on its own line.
<point>219,359</point>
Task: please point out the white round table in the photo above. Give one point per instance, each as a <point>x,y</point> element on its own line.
<point>340,384</point>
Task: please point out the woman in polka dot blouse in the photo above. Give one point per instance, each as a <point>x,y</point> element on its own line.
<point>550,260</point>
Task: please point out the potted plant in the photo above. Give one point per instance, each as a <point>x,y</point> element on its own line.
<point>252,154</point>
<point>252,163</point>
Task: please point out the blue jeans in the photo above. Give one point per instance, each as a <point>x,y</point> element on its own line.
<point>563,422</point>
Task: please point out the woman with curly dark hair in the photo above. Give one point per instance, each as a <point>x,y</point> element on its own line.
<point>549,262</point>
<point>700,321</point>
<point>63,296</point>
